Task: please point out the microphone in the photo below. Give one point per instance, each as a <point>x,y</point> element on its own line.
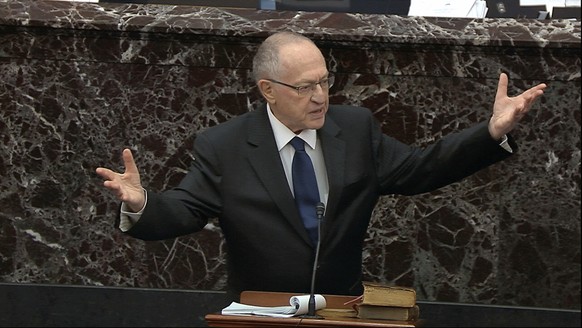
<point>319,210</point>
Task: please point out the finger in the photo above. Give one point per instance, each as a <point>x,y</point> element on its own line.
<point>113,185</point>
<point>502,86</point>
<point>538,91</point>
<point>106,174</point>
<point>115,189</point>
<point>532,94</point>
<point>129,162</point>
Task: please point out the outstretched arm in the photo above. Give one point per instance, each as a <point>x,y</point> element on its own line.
<point>127,185</point>
<point>508,111</point>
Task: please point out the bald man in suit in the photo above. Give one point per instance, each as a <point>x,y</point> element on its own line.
<point>242,175</point>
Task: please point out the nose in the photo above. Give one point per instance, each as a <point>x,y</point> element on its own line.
<point>320,94</point>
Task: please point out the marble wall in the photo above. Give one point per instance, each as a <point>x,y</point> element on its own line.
<point>81,81</point>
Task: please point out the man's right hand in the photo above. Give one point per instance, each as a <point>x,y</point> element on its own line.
<point>127,185</point>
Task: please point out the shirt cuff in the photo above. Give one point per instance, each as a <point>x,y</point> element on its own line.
<point>505,144</point>
<point>127,218</point>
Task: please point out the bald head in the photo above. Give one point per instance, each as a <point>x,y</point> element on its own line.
<point>291,74</point>
<point>268,61</point>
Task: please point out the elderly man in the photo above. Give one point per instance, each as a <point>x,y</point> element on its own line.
<point>266,201</point>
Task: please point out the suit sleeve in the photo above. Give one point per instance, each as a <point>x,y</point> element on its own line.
<point>186,208</point>
<point>408,170</point>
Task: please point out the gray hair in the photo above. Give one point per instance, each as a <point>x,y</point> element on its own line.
<point>266,61</point>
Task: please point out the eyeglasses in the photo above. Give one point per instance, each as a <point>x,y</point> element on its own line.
<point>305,89</point>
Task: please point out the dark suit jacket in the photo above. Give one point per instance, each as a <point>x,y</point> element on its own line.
<point>238,177</point>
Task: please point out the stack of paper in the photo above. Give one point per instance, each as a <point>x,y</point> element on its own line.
<point>299,305</point>
<point>448,8</point>
<point>475,8</point>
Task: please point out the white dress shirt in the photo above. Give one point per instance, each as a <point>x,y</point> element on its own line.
<point>286,151</point>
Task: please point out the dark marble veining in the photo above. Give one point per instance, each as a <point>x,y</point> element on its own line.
<point>81,81</point>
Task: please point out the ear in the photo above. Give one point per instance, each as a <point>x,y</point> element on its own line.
<point>267,90</point>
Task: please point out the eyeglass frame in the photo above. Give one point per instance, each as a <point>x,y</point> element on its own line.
<point>330,79</point>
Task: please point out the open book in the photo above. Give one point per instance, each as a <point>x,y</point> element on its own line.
<point>299,305</point>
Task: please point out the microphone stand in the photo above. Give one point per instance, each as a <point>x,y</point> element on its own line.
<point>320,209</point>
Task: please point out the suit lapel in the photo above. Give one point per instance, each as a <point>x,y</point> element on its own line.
<point>266,162</point>
<point>334,154</point>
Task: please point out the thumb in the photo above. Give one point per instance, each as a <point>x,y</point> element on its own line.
<point>501,87</point>
<point>129,162</point>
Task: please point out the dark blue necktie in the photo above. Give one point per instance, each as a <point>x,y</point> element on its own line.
<point>305,188</point>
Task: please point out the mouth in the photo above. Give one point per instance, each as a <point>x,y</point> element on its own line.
<point>317,113</point>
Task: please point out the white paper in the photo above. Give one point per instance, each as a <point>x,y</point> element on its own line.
<point>557,3</point>
<point>550,4</point>
<point>299,305</point>
<point>441,8</point>
<point>479,9</point>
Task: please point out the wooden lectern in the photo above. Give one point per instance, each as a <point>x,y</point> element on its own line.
<point>282,299</point>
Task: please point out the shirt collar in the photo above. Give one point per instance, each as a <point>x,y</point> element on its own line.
<point>283,135</point>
